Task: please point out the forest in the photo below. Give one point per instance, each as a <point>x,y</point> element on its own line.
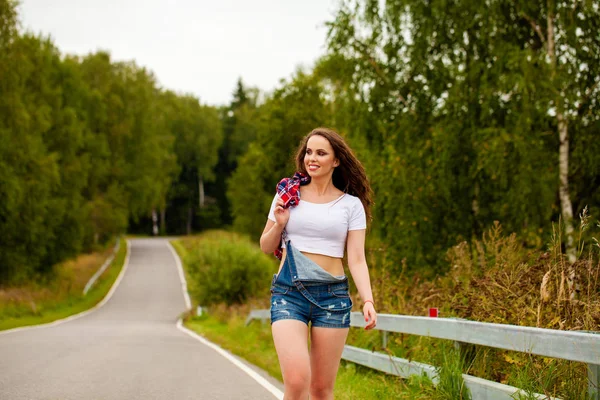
<point>465,114</point>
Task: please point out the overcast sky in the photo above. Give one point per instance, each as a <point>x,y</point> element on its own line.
<point>194,46</point>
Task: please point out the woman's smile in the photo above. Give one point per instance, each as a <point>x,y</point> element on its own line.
<point>319,155</point>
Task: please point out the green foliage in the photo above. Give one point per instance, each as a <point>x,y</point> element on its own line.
<point>292,112</point>
<point>453,109</point>
<point>209,217</point>
<point>88,145</point>
<point>227,269</point>
<point>197,131</point>
<point>447,109</point>
<point>38,181</point>
<point>239,130</point>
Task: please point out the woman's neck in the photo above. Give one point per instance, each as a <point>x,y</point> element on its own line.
<point>321,187</point>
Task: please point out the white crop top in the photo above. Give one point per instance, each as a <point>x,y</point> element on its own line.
<point>323,228</point>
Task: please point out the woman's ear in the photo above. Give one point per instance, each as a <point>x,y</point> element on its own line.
<point>336,162</point>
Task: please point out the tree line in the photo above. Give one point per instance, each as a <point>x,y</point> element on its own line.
<point>88,147</point>
<point>463,113</point>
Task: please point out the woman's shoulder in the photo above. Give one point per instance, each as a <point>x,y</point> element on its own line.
<point>350,199</point>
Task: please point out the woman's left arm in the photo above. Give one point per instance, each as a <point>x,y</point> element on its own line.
<point>357,263</point>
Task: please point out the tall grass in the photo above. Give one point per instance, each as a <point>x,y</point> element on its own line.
<point>60,294</point>
<point>450,368</point>
<point>496,279</point>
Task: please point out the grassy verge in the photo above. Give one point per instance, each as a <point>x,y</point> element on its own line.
<point>225,325</point>
<point>62,295</point>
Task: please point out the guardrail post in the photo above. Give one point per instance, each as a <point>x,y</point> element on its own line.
<point>594,381</point>
<point>593,377</point>
<point>467,351</point>
<point>385,339</point>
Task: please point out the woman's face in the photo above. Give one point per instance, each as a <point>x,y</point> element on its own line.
<point>319,159</point>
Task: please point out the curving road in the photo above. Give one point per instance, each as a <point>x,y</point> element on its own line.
<point>129,348</point>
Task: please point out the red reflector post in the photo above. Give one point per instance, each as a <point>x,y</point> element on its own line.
<point>433,312</point>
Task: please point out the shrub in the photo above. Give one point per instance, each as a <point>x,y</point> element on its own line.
<point>228,269</point>
<point>209,216</point>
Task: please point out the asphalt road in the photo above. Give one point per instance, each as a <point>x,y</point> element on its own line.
<point>129,348</point>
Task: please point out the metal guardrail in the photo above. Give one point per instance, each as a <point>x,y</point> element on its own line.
<point>568,345</point>
<point>101,270</point>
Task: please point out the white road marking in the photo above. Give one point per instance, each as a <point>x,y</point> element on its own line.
<point>262,381</point>
<point>186,296</point>
<point>259,379</point>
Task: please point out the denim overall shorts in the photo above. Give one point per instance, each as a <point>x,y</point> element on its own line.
<point>306,292</point>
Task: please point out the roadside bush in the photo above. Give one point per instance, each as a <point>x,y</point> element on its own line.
<point>228,269</point>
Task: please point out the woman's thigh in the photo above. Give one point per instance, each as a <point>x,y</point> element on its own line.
<point>291,342</point>
<point>326,347</point>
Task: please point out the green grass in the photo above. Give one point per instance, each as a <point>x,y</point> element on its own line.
<point>67,302</point>
<point>451,385</point>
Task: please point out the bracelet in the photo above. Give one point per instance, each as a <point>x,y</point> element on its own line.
<point>369,301</point>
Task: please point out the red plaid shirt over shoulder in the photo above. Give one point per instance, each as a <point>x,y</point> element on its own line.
<point>288,190</point>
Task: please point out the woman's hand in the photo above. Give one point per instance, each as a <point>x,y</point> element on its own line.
<point>370,315</point>
<point>282,215</point>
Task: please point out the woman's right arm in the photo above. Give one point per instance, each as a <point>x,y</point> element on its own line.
<point>271,236</point>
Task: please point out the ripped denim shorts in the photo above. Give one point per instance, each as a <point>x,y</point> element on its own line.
<point>304,291</point>
<point>332,311</point>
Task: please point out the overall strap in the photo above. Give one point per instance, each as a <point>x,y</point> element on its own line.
<point>290,262</point>
<point>291,265</point>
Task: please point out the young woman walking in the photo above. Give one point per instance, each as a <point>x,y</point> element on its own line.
<point>310,234</point>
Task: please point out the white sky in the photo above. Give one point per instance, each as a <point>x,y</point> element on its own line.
<point>192,46</point>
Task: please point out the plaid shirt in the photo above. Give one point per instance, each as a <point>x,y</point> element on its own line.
<point>288,190</point>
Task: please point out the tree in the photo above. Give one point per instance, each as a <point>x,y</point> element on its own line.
<point>460,97</point>
<point>565,40</point>
<point>198,135</point>
<point>282,121</point>
<point>238,132</point>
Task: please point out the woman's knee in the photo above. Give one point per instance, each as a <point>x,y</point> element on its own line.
<point>297,381</point>
<point>321,390</point>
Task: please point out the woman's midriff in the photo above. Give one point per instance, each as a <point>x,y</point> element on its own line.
<point>330,264</point>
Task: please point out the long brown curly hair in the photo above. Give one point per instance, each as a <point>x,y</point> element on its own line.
<point>349,176</point>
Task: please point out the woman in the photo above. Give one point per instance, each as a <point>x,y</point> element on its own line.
<point>311,235</point>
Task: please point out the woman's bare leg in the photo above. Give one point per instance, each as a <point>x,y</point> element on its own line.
<point>291,342</point>
<point>326,347</point>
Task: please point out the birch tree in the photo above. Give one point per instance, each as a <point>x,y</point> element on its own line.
<point>460,97</point>
<point>568,34</point>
